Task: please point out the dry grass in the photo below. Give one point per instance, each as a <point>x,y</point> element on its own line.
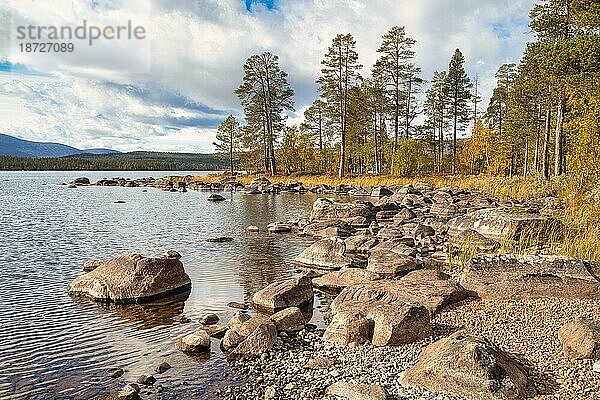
<point>578,237</point>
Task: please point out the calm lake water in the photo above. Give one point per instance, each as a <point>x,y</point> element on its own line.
<point>56,347</point>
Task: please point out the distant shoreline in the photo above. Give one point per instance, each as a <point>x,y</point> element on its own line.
<point>134,161</point>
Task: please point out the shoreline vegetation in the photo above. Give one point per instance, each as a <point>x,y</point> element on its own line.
<point>577,197</point>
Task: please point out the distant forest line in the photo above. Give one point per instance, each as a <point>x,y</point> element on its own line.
<point>135,161</point>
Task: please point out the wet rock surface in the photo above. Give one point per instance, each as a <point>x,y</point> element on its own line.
<point>133,278</point>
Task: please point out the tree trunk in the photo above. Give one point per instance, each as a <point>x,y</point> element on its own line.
<point>409,91</point>
<point>454,141</point>
<point>320,129</point>
<point>526,166</point>
<point>546,158</point>
<point>558,144</point>
<point>231,153</point>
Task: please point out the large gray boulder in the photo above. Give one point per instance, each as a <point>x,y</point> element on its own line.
<point>326,209</point>
<point>511,276</point>
<point>348,327</point>
<point>399,324</point>
<point>293,292</point>
<point>428,288</point>
<point>259,341</point>
<point>327,254</point>
<point>133,278</point>
<point>469,367</point>
<point>498,224</point>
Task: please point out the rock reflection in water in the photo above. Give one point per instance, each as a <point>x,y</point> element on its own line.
<point>151,315</point>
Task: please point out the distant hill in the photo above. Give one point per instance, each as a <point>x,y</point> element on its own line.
<point>15,147</point>
<point>134,161</point>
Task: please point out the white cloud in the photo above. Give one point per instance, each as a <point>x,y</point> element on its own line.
<point>197,50</point>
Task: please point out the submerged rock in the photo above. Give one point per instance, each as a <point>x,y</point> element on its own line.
<point>293,292</point>
<point>209,319</point>
<point>279,227</point>
<point>470,367</point>
<point>133,278</point>
<point>511,276</point>
<point>219,239</point>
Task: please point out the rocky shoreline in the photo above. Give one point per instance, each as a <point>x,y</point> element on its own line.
<point>424,308</point>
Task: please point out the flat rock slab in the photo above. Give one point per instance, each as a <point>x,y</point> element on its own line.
<point>470,367</point>
<point>327,254</point>
<point>350,391</point>
<point>498,223</point>
<point>133,278</point>
<point>429,288</point>
<point>510,276</point>
<point>338,280</point>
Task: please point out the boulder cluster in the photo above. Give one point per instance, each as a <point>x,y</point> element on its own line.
<point>388,263</point>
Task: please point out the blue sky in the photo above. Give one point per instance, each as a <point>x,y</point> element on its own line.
<point>170,92</point>
<point>270,4</point>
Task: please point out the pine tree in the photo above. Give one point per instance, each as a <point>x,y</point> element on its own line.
<point>400,76</point>
<point>228,139</point>
<point>315,121</point>
<point>339,75</point>
<point>436,105</point>
<point>459,96</point>
<point>265,94</point>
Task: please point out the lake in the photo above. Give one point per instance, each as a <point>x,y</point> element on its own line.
<point>55,347</point>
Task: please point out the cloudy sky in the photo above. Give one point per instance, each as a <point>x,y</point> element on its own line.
<point>169,91</point>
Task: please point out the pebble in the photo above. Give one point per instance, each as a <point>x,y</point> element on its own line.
<point>146,380</point>
<point>115,372</point>
<point>162,368</point>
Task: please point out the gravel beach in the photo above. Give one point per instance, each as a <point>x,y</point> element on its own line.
<point>527,329</point>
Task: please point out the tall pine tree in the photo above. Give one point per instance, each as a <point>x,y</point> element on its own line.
<point>265,94</point>
<point>459,96</point>
<point>339,76</point>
